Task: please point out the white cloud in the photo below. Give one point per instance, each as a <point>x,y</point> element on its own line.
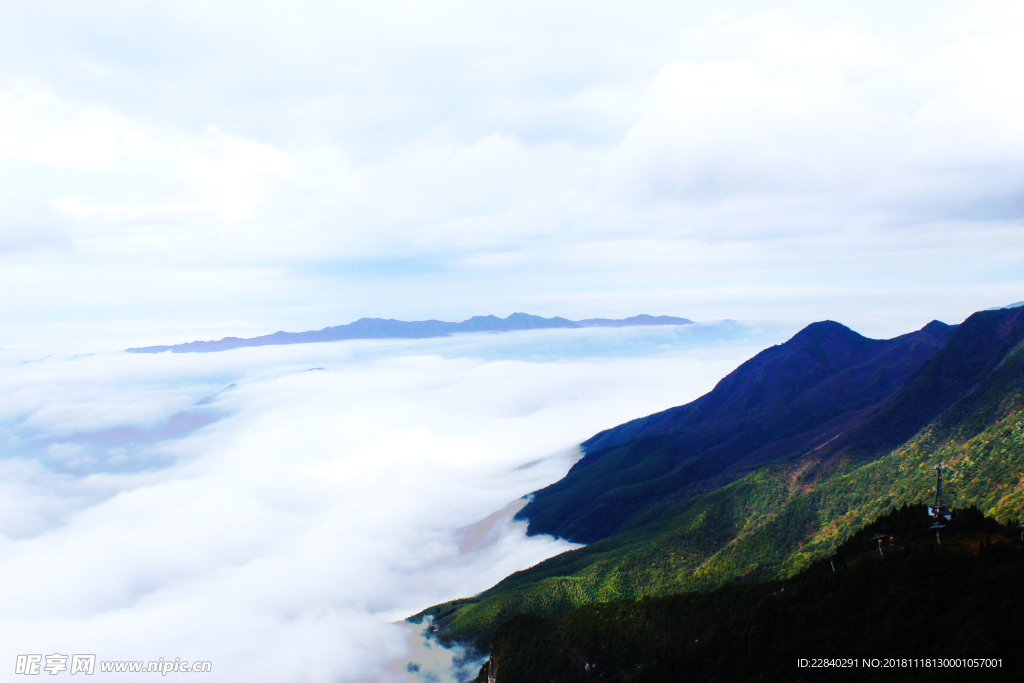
<point>42,128</point>
<point>235,171</point>
<point>28,223</point>
<point>784,40</point>
<point>721,129</point>
<point>283,540</point>
<point>242,164</point>
<point>64,451</point>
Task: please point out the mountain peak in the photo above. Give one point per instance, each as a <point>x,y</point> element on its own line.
<point>824,329</point>
<point>784,401</point>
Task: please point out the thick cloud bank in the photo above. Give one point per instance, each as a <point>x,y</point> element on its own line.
<point>275,510</point>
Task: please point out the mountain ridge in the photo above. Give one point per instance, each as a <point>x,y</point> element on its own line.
<point>785,400</point>
<point>381,328</point>
<point>778,516</point>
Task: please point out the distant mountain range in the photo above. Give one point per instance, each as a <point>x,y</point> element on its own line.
<point>379,328</point>
<point>790,454</point>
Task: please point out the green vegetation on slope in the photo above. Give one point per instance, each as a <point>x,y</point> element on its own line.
<point>776,520</point>
<point>920,600</point>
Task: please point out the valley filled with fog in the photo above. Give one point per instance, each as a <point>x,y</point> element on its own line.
<point>277,510</point>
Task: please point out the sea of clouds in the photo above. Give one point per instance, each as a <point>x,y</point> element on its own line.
<point>277,510</point>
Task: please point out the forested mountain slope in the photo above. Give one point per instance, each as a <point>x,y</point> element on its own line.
<point>780,516</point>
<point>908,598</point>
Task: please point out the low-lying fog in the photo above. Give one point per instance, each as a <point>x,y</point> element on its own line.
<point>276,510</point>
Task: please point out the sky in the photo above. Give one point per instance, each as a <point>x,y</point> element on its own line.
<point>180,170</point>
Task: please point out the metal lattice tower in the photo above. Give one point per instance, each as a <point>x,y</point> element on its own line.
<point>939,509</point>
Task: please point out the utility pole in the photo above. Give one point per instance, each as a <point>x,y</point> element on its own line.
<point>879,538</point>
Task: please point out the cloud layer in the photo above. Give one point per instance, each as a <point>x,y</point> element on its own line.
<point>335,492</point>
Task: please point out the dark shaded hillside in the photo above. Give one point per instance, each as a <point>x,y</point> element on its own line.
<point>978,347</point>
<point>963,599</point>
<point>782,403</point>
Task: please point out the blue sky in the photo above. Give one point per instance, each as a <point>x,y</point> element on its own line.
<point>173,171</point>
